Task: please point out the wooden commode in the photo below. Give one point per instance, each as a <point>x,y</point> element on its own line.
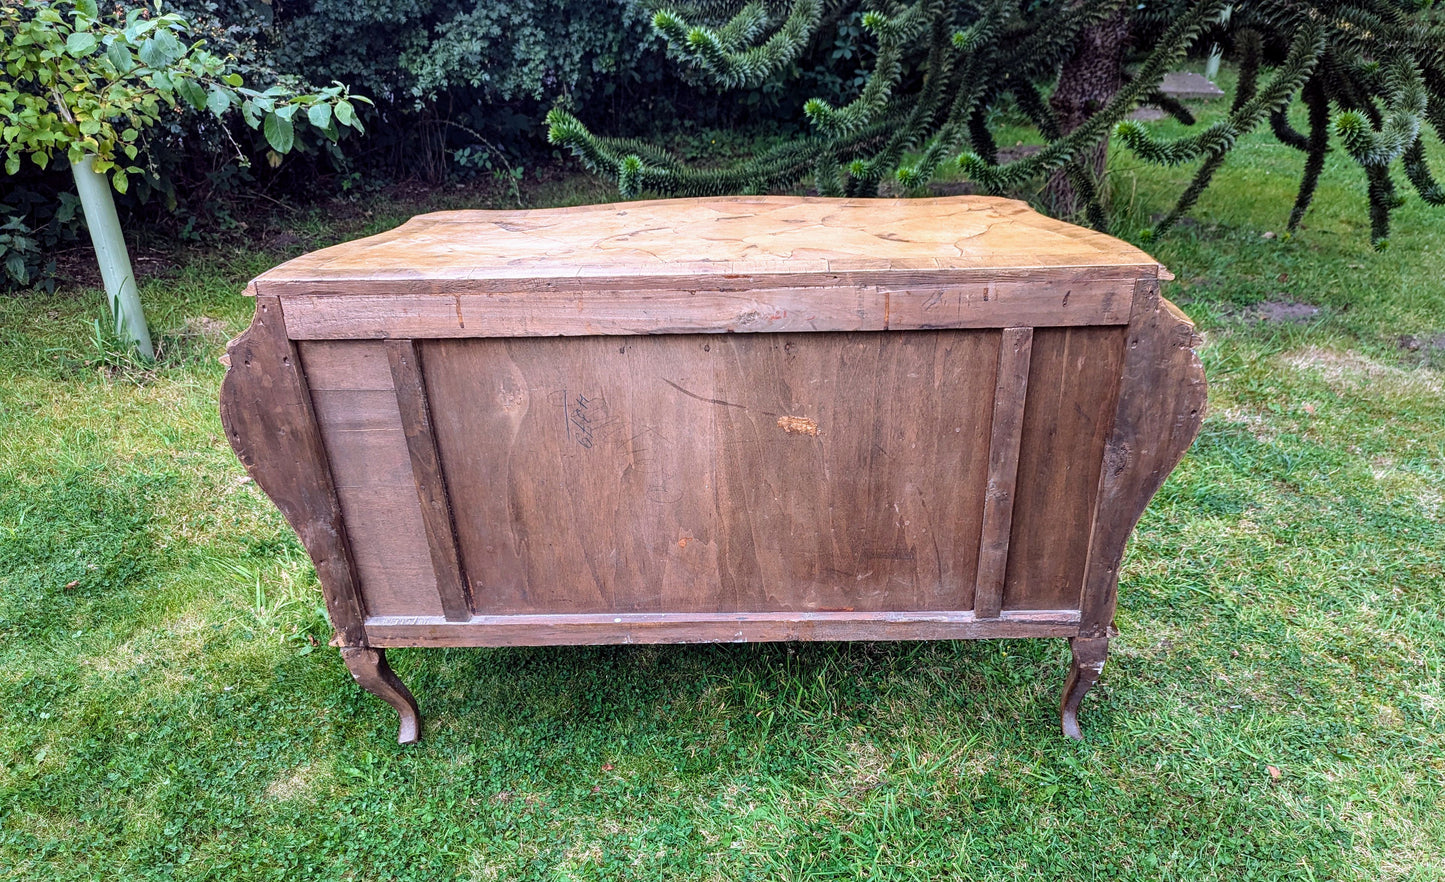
<point>727,419</point>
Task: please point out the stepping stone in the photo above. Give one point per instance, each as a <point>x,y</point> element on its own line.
<point>1189,86</point>
<point>1183,85</point>
<point>1147,114</point>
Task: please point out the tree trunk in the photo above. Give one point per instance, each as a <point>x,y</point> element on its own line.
<point>1088,80</point>
<point>110,251</point>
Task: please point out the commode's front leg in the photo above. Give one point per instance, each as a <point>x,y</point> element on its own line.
<point>1088,664</point>
<point>370,669</point>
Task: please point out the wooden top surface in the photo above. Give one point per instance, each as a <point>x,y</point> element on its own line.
<point>778,240</point>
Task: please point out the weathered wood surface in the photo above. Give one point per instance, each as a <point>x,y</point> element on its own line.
<point>1005,438</point>
<point>366,446</point>
<point>800,472</point>
<point>731,305</point>
<point>760,627</point>
<point>406,373</point>
<point>1073,381</point>
<point>266,411</point>
<point>520,428</point>
<point>716,474</point>
<point>371,671</point>
<point>767,240</point>
<point>746,265</point>
<point>1157,419</point>
<point>1086,664</point>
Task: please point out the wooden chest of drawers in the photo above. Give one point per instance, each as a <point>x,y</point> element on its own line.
<point>740,419</point>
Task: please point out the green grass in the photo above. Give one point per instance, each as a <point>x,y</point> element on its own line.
<point>171,710</point>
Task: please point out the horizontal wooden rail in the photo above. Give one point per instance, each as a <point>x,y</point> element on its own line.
<point>1084,297</point>
<point>750,627</point>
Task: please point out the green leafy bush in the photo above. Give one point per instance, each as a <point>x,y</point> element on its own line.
<point>79,84</point>
<point>449,75</point>
<point>32,226</point>
<point>89,90</point>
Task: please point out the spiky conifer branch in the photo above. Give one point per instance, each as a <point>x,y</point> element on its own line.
<point>1379,63</point>
<point>1175,41</point>
<point>729,53</point>
<point>1251,48</point>
<point>1316,146</point>
<point>1247,112</point>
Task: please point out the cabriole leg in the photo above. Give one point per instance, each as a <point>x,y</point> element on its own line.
<point>370,669</point>
<point>1088,664</point>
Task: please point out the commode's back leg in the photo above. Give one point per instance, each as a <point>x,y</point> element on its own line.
<point>1088,664</point>
<point>370,669</point>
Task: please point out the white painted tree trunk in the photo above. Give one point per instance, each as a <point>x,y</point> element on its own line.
<point>98,204</point>
<point>1211,64</point>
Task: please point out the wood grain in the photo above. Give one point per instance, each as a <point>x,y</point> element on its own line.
<point>762,627</point>
<point>371,463</point>
<point>1152,428</point>
<point>1073,380</point>
<point>431,490</point>
<point>692,473</point>
<point>1006,434</point>
<point>347,367</point>
<point>611,247</point>
<point>976,300</point>
<point>267,414</point>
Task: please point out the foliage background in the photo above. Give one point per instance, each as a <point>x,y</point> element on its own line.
<point>171,711</point>
<point>461,89</point>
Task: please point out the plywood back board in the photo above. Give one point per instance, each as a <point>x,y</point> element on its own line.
<point>356,406</point>
<point>1072,389</point>
<point>690,473</point>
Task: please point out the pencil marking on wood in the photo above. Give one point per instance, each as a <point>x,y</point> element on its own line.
<point>717,401</point>
<point>583,415</point>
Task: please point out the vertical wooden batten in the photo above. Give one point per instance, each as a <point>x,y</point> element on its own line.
<point>1011,388</point>
<point>431,489</point>
<point>267,413</point>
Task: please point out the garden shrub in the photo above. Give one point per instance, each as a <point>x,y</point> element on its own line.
<point>461,89</point>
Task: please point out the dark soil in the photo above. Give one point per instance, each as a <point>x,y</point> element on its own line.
<point>1284,311</point>
<point>952,188</point>
<point>1411,343</point>
<point>1428,351</point>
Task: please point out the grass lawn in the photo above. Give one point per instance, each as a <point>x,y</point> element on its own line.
<point>1274,707</point>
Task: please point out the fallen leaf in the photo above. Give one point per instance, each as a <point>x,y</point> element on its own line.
<point>1274,773</point>
<point>72,584</point>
